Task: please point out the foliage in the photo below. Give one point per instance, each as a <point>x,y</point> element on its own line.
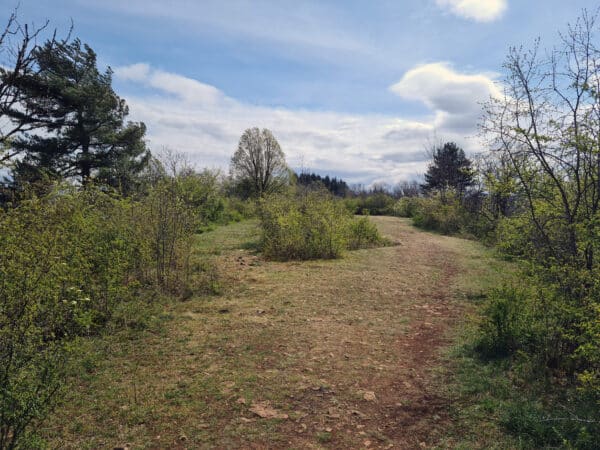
<point>201,193</point>
<point>63,267</point>
<point>312,225</point>
<point>376,203</point>
<point>258,166</point>
<point>406,207</point>
<point>168,223</point>
<point>449,169</point>
<point>334,185</point>
<point>544,131</point>
<point>83,133</point>
<point>506,327</point>
<point>437,214</point>
<point>362,233</point>
<point>70,262</point>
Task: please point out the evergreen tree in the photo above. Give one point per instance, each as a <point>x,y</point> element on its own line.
<point>449,169</point>
<point>84,130</point>
<point>335,186</point>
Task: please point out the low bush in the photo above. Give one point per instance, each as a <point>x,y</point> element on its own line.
<point>310,226</point>
<point>442,215</point>
<point>506,325</point>
<point>375,204</point>
<point>406,207</point>
<point>362,233</point>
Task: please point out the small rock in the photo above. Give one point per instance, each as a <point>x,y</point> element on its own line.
<point>369,396</point>
<point>358,413</point>
<point>266,411</point>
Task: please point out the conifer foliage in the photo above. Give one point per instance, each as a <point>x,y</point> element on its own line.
<point>83,131</point>
<point>450,169</point>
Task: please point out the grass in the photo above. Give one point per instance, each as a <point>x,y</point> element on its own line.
<point>309,339</point>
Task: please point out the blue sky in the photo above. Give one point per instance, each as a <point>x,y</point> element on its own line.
<point>357,89</point>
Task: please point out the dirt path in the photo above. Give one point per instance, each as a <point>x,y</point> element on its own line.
<point>318,354</point>
<point>344,348</point>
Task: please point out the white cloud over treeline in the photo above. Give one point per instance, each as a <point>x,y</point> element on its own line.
<point>203,122</point>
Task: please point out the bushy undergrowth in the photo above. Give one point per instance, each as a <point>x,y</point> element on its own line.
<point>406,207</point>
<point>546,329</point>
<point>376,204</point>
<point>506,327</point>
<point>443,214</point>
<point>447,214</point>
<point>312,225</point>
<point>69,263</point>
<point>549,330</point>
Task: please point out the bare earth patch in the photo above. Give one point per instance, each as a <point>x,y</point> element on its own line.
<point>318,354</point>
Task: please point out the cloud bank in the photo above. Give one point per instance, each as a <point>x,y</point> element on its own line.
<point>203,122</point>
<point>477,10</point>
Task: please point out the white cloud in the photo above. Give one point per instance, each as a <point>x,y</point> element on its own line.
<point>455,98</point>
<point>478,10</point>
<point>185,89</point>
<point>134,72</point>
<point>203,122</point>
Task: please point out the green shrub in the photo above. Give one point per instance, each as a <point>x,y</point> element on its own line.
<point>70,263</point>
<point>64,263</point>
<point>312,225</point>
<point>376,204</point>
<point>362,233</point>
<point>237,210</point>
<point>436,214</point>
<point>506,325</point>
<point>406,207</point>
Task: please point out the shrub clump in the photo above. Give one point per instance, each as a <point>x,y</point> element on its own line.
<point>312,226</point>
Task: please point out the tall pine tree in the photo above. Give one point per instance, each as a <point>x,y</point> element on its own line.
<point>84,130</point>
<point>449,169</point>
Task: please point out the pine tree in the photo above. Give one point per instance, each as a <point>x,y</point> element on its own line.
<point>450,169</point>
<point>84,130</point>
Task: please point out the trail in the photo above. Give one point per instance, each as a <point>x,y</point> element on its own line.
<point>318,354</point>
<point>349,345</point>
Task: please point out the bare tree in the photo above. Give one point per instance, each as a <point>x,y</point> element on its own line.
<point>17,59</point>
<point>547,126</point>
<point>406,189</point>
<point>259,163</point>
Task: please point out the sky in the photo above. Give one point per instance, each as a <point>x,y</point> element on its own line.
<point>358,89</point>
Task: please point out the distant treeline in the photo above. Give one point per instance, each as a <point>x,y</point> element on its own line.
<point>340,187</point>
<point>334,185</point>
